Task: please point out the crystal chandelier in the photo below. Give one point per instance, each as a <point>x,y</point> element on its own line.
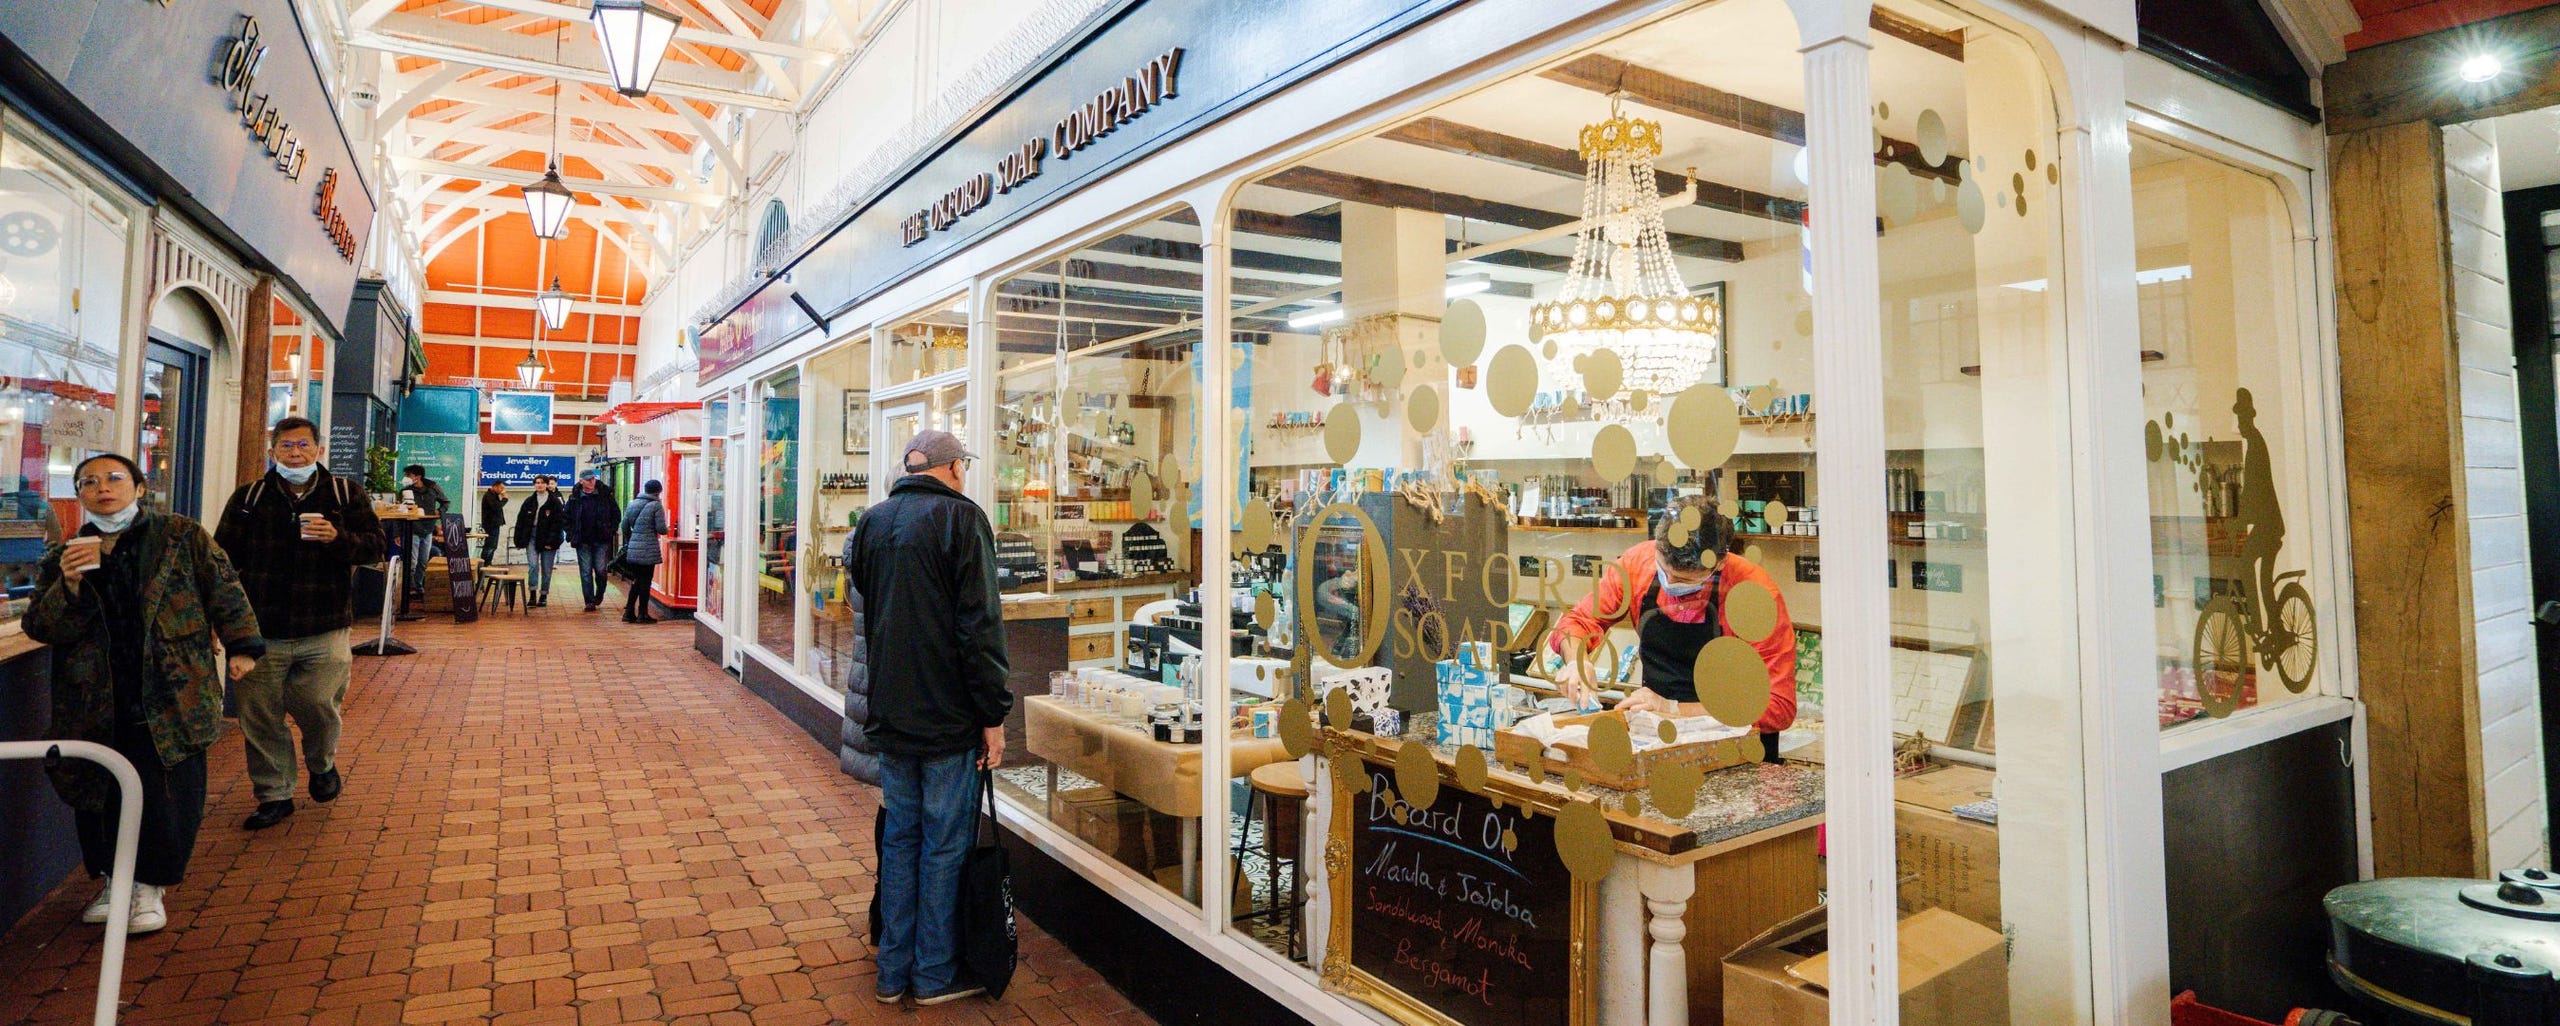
<point>1622,293</point>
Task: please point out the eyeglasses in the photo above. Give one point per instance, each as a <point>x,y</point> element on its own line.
<point>297,445</point>
<point>94,480</point>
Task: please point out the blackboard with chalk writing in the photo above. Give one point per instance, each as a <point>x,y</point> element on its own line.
<point>1447,913</point>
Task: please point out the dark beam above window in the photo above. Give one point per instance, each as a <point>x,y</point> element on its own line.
<point>1602,74</point>
<point>1355,189</point>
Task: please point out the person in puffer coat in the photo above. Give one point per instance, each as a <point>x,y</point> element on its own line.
<point>856,755</point>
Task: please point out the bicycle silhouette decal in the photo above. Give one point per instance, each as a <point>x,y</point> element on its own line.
<point>2234,638</point>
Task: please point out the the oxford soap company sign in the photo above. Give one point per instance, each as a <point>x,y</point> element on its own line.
<point>263,117</point>
<point>1137,94</point>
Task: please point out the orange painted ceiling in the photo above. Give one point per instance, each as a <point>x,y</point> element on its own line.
<point>2392,20</point>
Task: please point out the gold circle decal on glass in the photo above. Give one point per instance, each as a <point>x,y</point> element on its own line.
<point>1703,426</point>
<point>1760,396</point>
<point>1751,609</point>
<point>2053,174</point>
<point>1422,409</point>
<point>2152,447</point>
<point>1142,496</point>
<point>1420,359</point>
<point>1417,776</point>
<point>1510,840</point>
<point>1775,513</point>
<point>1337,708</point>
<point>1462,333</point>
<point>1602,373</point>
<point>1611,749</point>
<point>1573,780</point>
<point>2018,183</point>
<point>1297,728</point>
<point>2031,160</point>
<point>1667,733</point>
<point>1390,366</point>
<point>1969,206</point>
<point>1675,789</point>
<point>1728,509</point>
<point>1630,804</point>
<point>1678,535</point>
<point>1551,350</point>
<point>1398,813</point>
<point>1933,138</point>
<point>1255,533</point>
<point>1804,323</point>
<point>1342,433</point>
<point>1511,381</point>
<point>1690,517</point>
<point>1613,453</point>
<point>1755,555</point>
<point>2000,199</point>
<point>1884,110</point>
<point>1732,681</point>
<point>1897,194</point>
<point>2021,201</point>
<point>1582,841</point>
<point>1639,399</point>
<point>1264,607</point>
<point>1471,768</point>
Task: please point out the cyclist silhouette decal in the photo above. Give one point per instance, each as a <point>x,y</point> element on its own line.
<point>2235,637</point>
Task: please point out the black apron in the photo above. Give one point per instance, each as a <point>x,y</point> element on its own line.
<point>1670,651</point>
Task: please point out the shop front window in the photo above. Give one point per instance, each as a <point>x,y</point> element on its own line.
<point>776,558</point>
<point>930,344</point>
<point>2238,611</point>
<point>1098,537</point>
<point>62,322</point>
<point>718,415</point>
<point>839,389</point>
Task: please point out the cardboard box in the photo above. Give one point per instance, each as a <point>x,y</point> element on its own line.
<point>1947,862</point>
<point>1119,827</point>
<point>1953,973</point>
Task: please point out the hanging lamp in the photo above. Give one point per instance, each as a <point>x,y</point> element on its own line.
<point>553,304</point>
<point>634,35</point>
<point>547,202</point>
<point>529,373</point>
<point>1622,292</point>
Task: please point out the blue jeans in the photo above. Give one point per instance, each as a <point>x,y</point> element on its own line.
<point>540,574</point>
<point>929,810</point>
<point>591,564</point>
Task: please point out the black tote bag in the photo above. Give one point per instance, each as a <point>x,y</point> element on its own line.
<point>987,939</point>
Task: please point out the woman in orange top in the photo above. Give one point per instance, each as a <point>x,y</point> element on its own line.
<point>1674,596</point>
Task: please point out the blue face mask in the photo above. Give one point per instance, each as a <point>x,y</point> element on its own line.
<point>1673,588</point>
<point>298,475</point>
<point>116,522</point>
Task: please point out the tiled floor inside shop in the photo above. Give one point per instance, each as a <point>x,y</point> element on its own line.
<point>550,817</point>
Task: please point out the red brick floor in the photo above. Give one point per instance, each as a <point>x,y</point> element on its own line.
<point>548,818</point>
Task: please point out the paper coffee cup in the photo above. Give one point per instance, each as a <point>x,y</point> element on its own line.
<point>87,541</point>
<point>308,520</point>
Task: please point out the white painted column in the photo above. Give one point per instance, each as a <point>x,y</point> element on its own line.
<point>1666,899</point>
<point>1848,385</point>
<point>1622,946</point>
<point>2128,928</point>
<point>1215,485</point>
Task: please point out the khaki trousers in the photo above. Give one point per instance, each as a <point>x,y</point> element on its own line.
<point>303,680</point>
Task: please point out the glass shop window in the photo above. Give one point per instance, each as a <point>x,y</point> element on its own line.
<point>932,343</point>
<point>777,555</point>
<point>719,416</point>
<point>839,387</point>
<point>62,321</point>
<point>1098,540</point>
<point>2237,606</point>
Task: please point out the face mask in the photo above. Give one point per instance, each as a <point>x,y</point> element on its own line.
<point>298,475</point>
<point>116,522</point>
<point>1674,588</point>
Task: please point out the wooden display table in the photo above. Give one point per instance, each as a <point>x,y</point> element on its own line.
<point>1118,755</point>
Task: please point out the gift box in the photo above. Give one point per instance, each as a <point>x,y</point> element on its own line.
<point>1472,699</point>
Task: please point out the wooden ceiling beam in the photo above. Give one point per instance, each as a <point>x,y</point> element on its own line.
<point>1487,144</point>
<point>1355,189</point>
<point>1603,74</point>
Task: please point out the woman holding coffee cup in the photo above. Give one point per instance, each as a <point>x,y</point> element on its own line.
<point>132,606</point>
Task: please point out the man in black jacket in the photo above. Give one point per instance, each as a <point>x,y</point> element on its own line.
<point>924,563</point>
<point>591,521</point>
<point>297,534</point>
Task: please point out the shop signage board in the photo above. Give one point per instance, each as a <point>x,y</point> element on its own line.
<point>240,126</point>
<point>445,457</point>
<point>1444,921</point>
<point>520,413</point>
<point>517,470</point>
<point>1152,72</point>
<point>347,448</point>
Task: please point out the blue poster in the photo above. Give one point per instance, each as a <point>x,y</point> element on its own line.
<point>1240,403</point>
<point>518,471</point>
<point>520,413</point>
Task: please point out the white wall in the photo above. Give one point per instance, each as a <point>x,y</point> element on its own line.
<point>2501,582</point>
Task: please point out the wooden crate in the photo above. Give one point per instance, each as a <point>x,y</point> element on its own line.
<point>1517,749</point>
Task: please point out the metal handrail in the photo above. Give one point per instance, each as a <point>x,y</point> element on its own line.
<point>120,879</point>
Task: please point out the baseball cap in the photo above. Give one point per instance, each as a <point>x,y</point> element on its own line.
<point>937,447</point>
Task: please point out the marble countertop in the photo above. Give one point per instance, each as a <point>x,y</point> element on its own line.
<point>1734,802</point>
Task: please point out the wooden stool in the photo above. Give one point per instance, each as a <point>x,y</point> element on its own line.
<point>506,581</point>
<point>1280,793</point>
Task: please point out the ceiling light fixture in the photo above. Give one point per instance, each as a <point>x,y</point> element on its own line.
<point>1314,318</point>
<point>529,373</point>
<point>547,202</point>
<point>634,35</point>
<point>1622,292</point>
<point>1467,285</point>
<point>2481,67</point>
<point>553,304</point>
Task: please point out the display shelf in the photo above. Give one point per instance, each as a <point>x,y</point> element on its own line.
<point>1543,529</point>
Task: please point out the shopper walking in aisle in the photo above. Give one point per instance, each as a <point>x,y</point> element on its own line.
<point>133,605</point>
<point>539,533</point>
<point>493,515</point>
<point>923,563</point>
<point>297,536</point>
<point>591,519</point>
<point>420,539</point>
<point>642,525</point>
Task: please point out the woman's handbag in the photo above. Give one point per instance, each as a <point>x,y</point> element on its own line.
<point>987,939</point>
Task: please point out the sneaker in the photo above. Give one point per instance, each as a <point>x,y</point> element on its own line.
<point>889,997</point>
<point>268,814</point>
<point>954,992</point>
<point>149,915</point>
<point>97,911</point>
<point>325,786</point>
